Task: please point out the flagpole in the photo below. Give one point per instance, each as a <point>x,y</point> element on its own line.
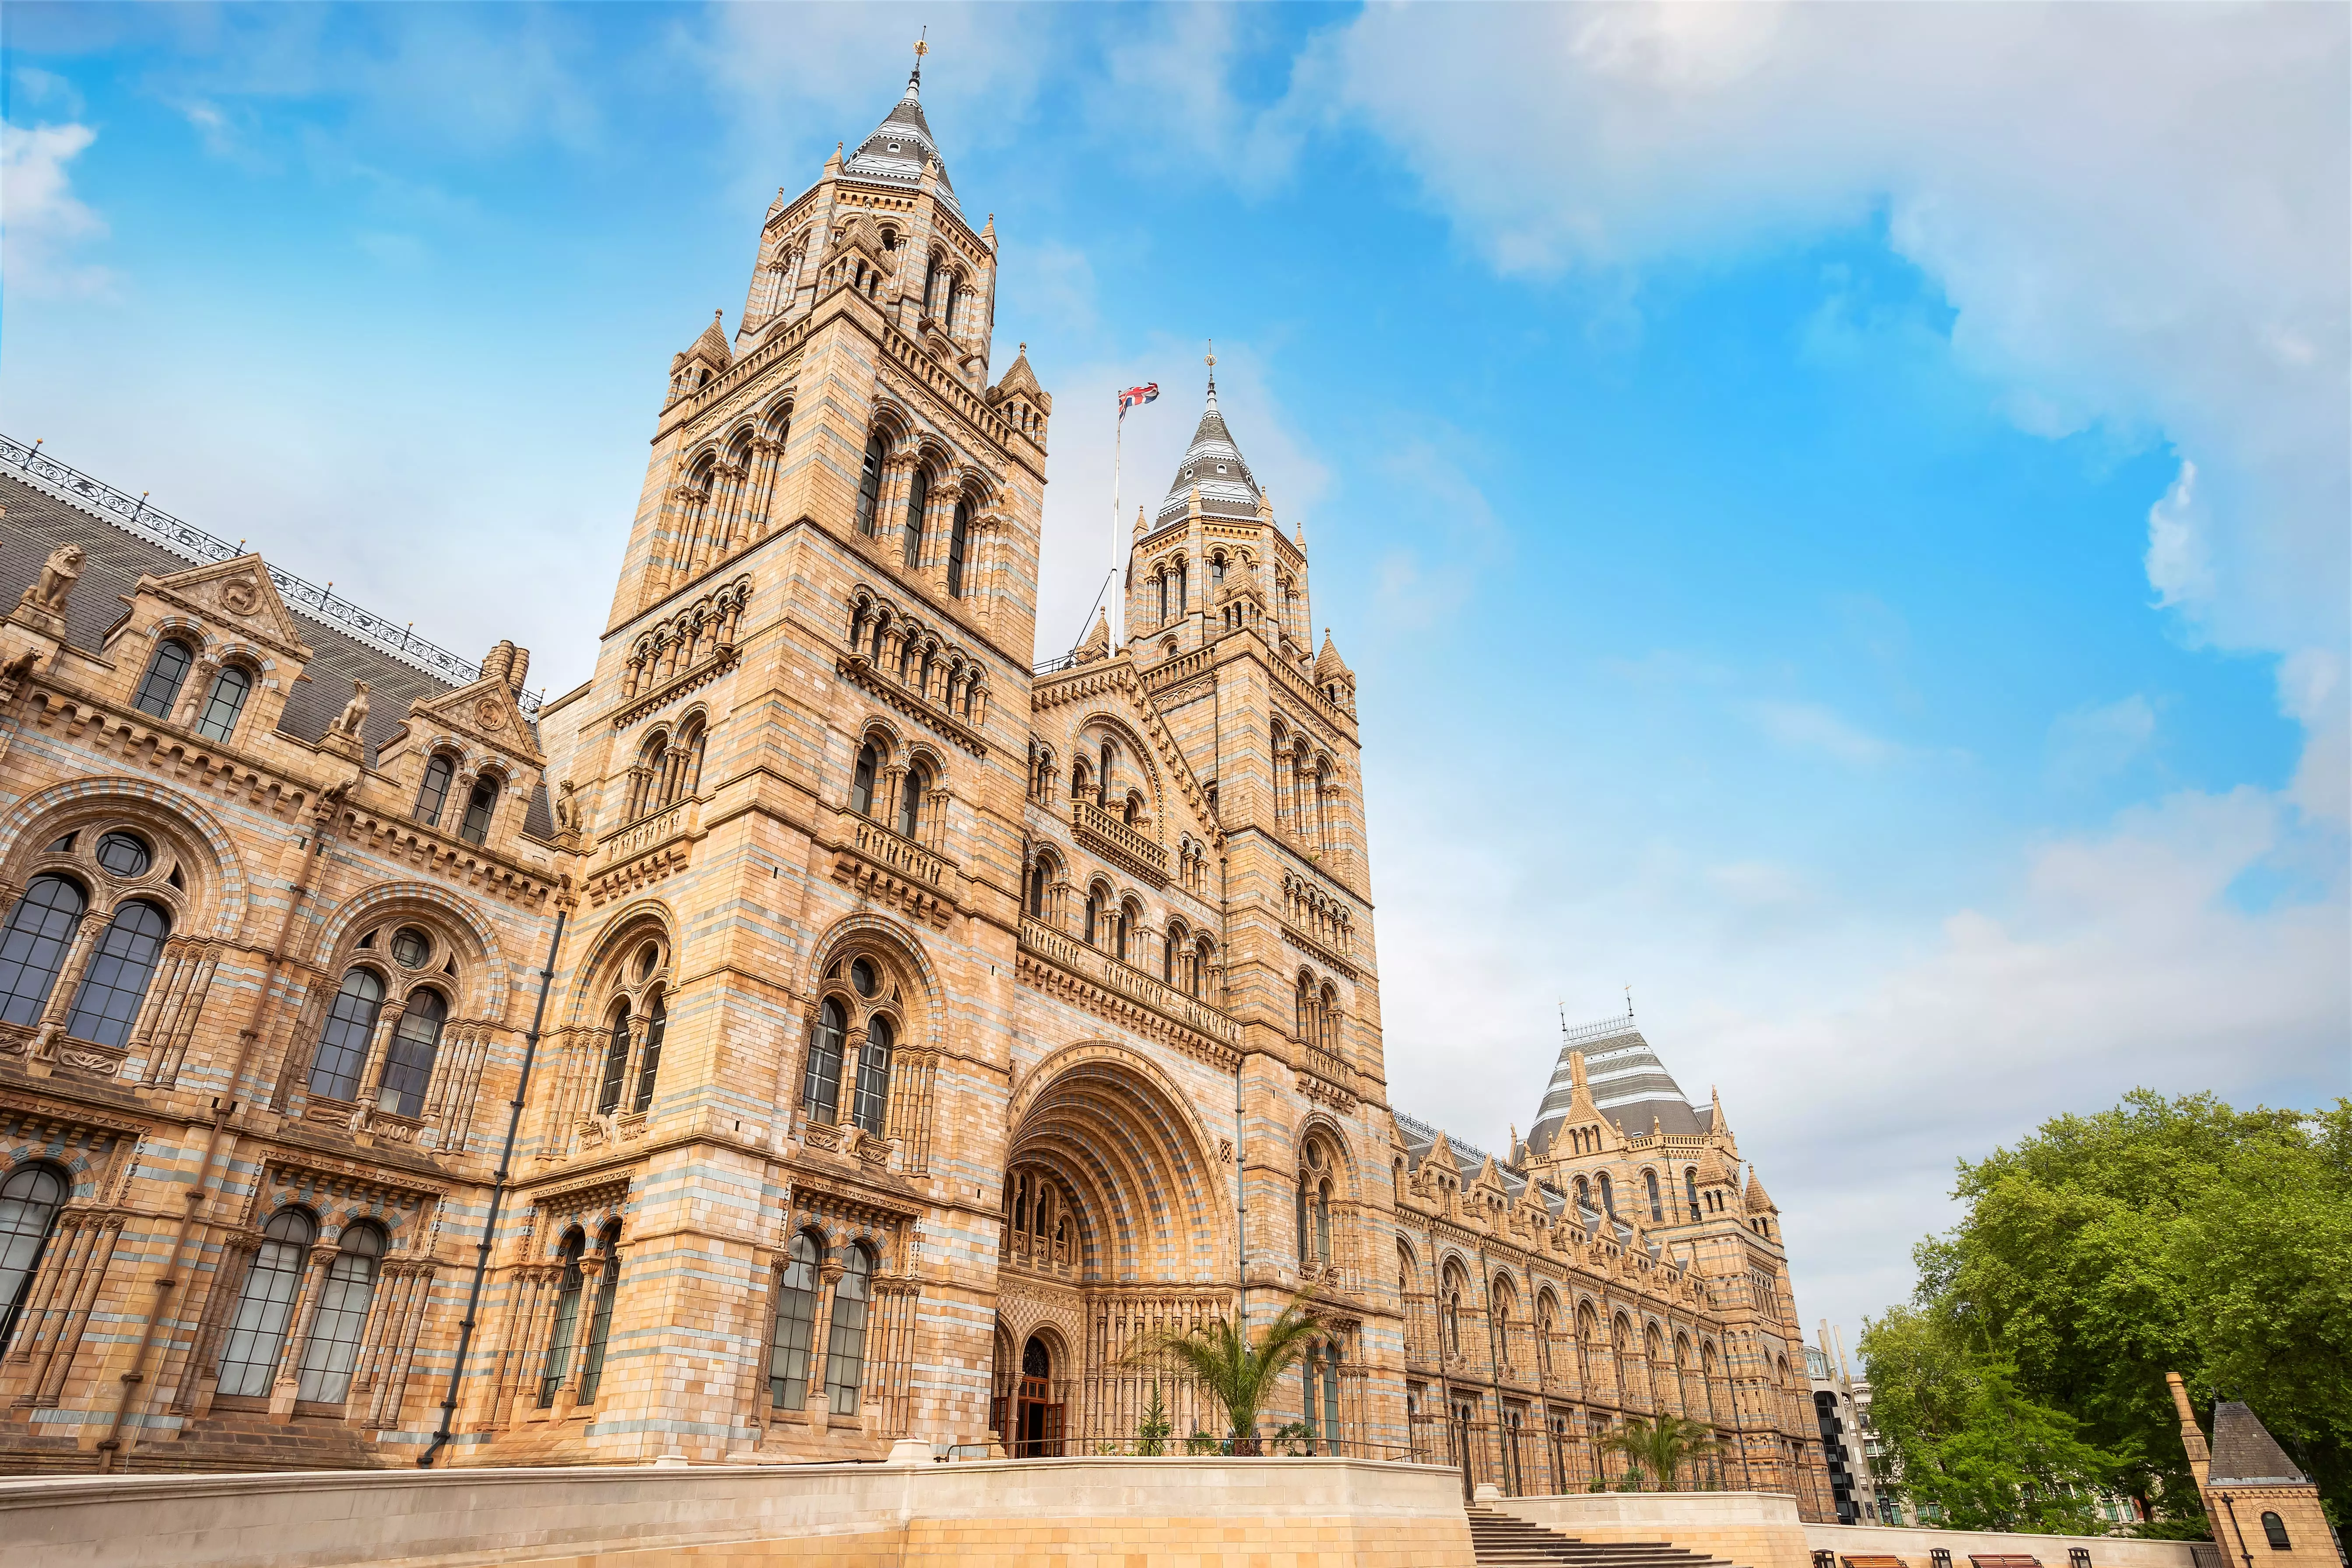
<point>1119,600</point>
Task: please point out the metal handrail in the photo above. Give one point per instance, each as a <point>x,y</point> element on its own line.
<point>135,515</point>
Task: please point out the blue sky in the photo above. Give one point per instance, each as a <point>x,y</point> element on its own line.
<point>1837,514</point>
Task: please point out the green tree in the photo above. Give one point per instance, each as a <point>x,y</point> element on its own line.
<point>1660,1448</point>
<point>1152,1433</point>
<point>1233,1370</point>
<point>2106,1250</point>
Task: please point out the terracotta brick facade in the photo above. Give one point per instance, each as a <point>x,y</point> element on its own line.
<point>926,1024</point>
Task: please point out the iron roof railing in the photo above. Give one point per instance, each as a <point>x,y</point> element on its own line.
<point>135,516</point>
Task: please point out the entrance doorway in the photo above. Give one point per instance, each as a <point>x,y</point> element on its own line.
<point>1036,1413</point>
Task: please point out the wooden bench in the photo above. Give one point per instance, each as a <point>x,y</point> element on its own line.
<point>1998,1561</point>
<point>1875,1562</point>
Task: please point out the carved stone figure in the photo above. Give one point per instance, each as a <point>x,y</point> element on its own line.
<point>355,712</point>
<point>567,810</point>
<point>57,576</point>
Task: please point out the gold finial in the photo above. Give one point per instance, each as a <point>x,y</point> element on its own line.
<point>1211,359</point>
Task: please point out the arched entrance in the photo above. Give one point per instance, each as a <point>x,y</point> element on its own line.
<point>1037,1414</point>
<point>1115,1226</point>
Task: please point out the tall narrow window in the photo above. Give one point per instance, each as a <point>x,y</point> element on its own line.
<point>1657,1208</point>
<point>690,770</point>
<point>230,687</point>
<point>258,1332</point>
<point>1608,1195</point>
<point>957,537</point>
<point>1092,911</point>
<point>29,1201</point>
<point>1167,958</point>
<point>434,793</point>
<point>649,1064</point>
<point>599,1318</point>
<point>1183,603</point>
<point>343,1041</point>
<point>795,1326</point>
<point>1322,1206</point>
<point>1307,1371</point>
<point>33,948</point>
<point>2274,1532</point>
<point>861,780</point>
<point>870,1106</point>
<point>566,1326</point>
<point>845,1359</point>
<point>869,485</point>
<point>1331,1399</point>
<point>1299,1217</point>
<point>918,496</point>
<point>408,1065</point>
<point>1037,892</point>
<point>115,983</point>
<point>820,1083</point>
<point>617,1063</point>
<point>910,804</point>
<point>160,687</point>
<point>1690,1191</point>
<point>342,1321</point>
<point>1119,936</point>
<point>478,807</point>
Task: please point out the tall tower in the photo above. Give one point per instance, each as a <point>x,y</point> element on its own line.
<point>773,1085</point>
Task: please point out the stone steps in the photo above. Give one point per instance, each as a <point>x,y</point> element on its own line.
<point>1500,1538</point>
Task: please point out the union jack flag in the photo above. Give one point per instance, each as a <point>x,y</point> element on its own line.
<point>1137,396</point>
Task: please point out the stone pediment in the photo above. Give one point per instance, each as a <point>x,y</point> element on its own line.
<point>485,712</point>
<point>236,593</point>
<point>1112,684</point>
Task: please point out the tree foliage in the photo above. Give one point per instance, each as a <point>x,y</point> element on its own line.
<point>1662,1447</point>
<point>1233,1370</point>
<point>2101,1252</point>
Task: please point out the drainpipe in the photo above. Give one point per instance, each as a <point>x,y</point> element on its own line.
<point>110,1447</point>
<point>498,1192</point>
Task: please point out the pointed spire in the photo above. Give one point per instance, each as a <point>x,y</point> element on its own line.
<point>1213,467</point>
<point>1329,665</point>
<point>1759,1200</point>
<point>902,150</point>
<point>1098,643</point>
<point>1139,528</point>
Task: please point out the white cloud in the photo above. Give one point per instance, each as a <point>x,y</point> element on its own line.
<point>2139,214</point>
<point>2093,743</point>
<point>1810,727</point>
<point>43,224</point>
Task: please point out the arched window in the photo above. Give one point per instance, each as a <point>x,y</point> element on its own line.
<point>861,780</point>
<point>958,536</point>
<point>795,1326</point>
<point>160,687</point>
<point>1160,582</point>
<point>910,803</point>
<point>649,1064</point>
<point>1547,1324</point>
<point>871,1102</point>
<point>343,1041</point>
<point>115,981</point>
<point>1037,891</point>
<point>1168,957</point>
<point>258,1332</point>
<point>478,807</point>
<point>1452,1310</point>
<point>845,1359</point>
<point>1690,1190</point>
<point>918,496</point>
<point>33,948</point>
<point>1126,918</point>
<point>1093,912</point>
<point>342,1320</point>
<point>434,793</point>
<point>644,779</point>
<point>1182,601</point>
<point>599,1318</point>
<point>230,688</point>
<point>616,1062</point>
<point>689,778</point>
<point>29,1201</point>
<point>1657,1208</point>
<point>1198,977</point>
<point>1216,576</point>
<point>820,1083</point>
<point>2275,1531</point>
<point>1583,1194</point>
<point>566,1326</point>
<point>869,483</point>
<point>408,1065</point>
<point>1608,1197</point>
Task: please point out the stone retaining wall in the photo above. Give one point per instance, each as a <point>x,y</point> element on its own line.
<point>1913,1546</point>
<point>1205,1513</point>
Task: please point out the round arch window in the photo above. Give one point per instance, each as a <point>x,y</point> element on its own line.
<point>411,947</point>
<point>648,958</point>
<point>124,856</point>
<point>862,975</point>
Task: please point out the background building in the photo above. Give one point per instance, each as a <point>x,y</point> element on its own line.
<point>922,1023</point>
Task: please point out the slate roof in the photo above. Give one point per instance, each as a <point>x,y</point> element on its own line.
<point>2244,1452</point>
<point>1214,464</point>
<point>1629,1083</point>
<point>895,154</point>
<point>37,522</point>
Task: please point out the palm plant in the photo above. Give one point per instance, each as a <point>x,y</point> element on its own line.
<point>1661,1448</point>
<point>1233,1370</point>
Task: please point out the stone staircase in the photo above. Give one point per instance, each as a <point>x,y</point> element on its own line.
<point>1500,1538</point>
<point>222,1442</point>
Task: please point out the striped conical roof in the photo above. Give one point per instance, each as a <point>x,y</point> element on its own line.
<point>895,154</point>
<point>1215,466</point>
